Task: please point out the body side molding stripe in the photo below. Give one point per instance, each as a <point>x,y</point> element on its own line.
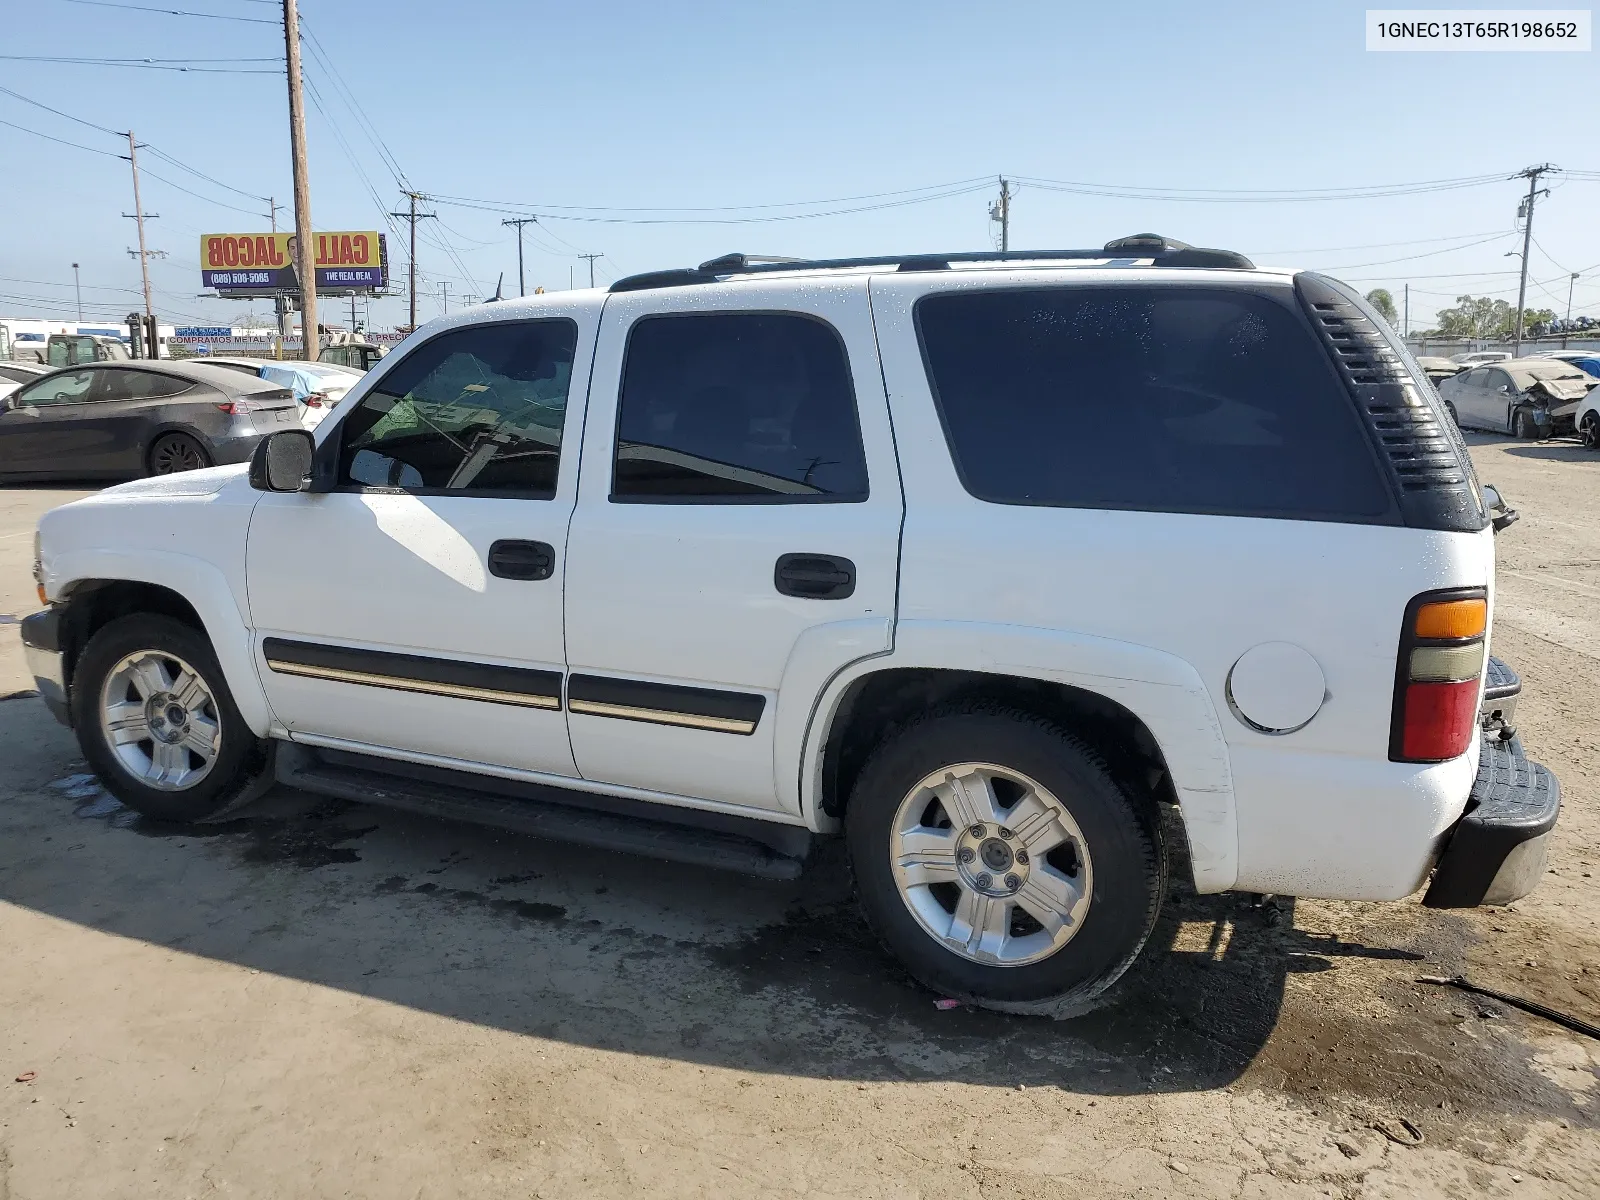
<point>665,704</point>
<point>527,687</point>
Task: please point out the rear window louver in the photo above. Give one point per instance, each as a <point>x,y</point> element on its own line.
<point>1423,449</point>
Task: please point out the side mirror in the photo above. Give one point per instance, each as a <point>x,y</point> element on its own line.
<point>282,462</point>
<point>1499,515</point>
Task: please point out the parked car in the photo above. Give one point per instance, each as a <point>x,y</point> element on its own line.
<point>979,562</point>
<point>21,372</point>
<point>1439,369</point>
<point>1587,361</point>
<point>116,421</point>
<point>317,386</point>
<point>363,356</point>
<point>1478,357</point>
<point>1586,419</point>
<point>1526,397</point>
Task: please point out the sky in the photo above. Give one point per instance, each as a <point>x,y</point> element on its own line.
<point>659,135</point>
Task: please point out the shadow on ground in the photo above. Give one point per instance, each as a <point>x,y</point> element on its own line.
<point>649,958</point>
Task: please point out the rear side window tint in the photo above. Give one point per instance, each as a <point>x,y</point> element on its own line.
<point>1169,399</point>
<point>732,407</point>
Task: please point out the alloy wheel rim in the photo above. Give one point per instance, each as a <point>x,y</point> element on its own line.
<point>160,720</point>
<point>991,864</point>
<point>174,456</point>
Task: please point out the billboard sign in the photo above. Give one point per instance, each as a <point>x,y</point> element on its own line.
<point>264,262</point>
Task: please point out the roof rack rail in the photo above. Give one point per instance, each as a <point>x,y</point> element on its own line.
<point>1162,251</point>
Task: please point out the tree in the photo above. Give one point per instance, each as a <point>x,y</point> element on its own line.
<point>1383,301</point>
<point>1482,318</point>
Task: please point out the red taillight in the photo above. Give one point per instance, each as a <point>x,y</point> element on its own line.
<point>238,408</point>
<point>1438,678</point>
<point>1438,721</point>
<point>317,399</point>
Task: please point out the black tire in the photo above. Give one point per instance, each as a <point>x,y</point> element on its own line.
<point>174,452</point>
<point>1591,431</point>
<point>239,755</point>
<point>1522,425</point>
<point>1451,409</point>
<point>1122,835</point>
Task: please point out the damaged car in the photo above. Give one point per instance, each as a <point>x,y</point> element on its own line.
<point>1526,397</point>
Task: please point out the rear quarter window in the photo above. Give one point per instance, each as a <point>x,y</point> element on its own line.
<point>1158,398</point>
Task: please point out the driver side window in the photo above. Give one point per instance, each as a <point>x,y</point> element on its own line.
<point>478,410</point>
<point>71,387</point>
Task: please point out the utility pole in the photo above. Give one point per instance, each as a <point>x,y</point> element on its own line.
<point>591,258</point>
<point>306,251</point>
<point>1532,176</point>
<point>1565,325</point>
<point>444,294</point>
<point>413,216</point>
<point>77,286</point>
<point>1001,211</point>
<point>272,211</point>
<point>569,277</point>
<point>1406,323</point>
<point>519,222</point>
<point>138,215</point>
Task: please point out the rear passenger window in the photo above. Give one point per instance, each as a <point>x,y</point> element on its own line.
<point>1156,398</point>
<point>476,410</point>
<point>737,407</point>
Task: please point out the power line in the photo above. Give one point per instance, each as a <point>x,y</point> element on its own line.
<point>58,112</point>
<point>174,12</point>
<point>550,213</point>
<point>982,180</point>
<point>1260,195</point>
<point>151,64</point>
<point>165,157</point>
<point>62,141</point>
<point>1453,237</point>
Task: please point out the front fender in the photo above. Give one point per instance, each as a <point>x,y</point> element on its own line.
<point>199,582</point>
<point>1162,690</point>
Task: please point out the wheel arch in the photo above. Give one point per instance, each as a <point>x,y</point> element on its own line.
<point>97,587</point>
<point>1147,712</point>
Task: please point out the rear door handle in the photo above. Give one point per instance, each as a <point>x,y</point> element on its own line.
<point>815,576</point>
<point>510,558</point>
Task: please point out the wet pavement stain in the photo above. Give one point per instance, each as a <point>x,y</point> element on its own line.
<point>306,841</point>
<point>528,910</point>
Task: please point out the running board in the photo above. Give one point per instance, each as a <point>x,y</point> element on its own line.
<point>765,849</point>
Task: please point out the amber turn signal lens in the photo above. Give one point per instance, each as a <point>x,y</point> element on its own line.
<point>1453,619</point>
<point>43,599</point>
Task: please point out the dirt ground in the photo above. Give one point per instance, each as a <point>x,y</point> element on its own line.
<point>323,1000</point>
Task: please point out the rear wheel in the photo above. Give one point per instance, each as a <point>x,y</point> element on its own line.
<point>1001,864</point>
<point>156,721</point>
<point>173,452</point>
<point>1522,424</point>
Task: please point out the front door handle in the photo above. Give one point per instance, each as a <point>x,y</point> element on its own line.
<point>815,576</point>
<point>510,558</point>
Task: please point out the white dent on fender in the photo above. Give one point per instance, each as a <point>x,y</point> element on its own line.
<point>1162,690</point>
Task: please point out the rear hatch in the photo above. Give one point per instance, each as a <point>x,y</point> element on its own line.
<point>267,406</point>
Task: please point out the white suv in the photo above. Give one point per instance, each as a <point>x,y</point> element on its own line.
<point>979,559</point>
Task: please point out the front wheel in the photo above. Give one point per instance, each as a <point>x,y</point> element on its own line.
<point>1591,431</point>
<point>1451,409</point>
<point>999,861</point>
<point>1522,425</point>
<point>157,723</point>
